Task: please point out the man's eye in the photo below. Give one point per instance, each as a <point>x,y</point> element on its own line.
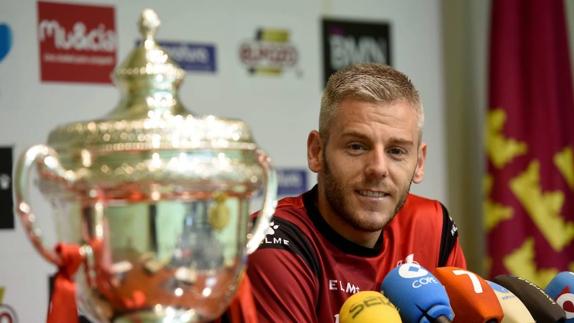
<point>356,146</point>
<point>397,151</point>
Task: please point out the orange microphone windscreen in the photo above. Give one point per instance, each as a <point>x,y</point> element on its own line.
<point>471,298</point>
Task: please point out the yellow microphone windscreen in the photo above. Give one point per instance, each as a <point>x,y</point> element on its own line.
<point>368,307</point>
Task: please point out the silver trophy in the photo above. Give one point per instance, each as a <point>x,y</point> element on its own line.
<point>157,198</point>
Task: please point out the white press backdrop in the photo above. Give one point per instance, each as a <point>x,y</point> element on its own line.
<point>281,110</point>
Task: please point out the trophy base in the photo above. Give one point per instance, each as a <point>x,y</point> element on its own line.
<point>162,315</point>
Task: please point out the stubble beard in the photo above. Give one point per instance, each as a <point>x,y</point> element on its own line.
<point>335,197</point>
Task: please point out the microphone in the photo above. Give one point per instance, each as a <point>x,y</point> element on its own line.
<point>541,306</point>
<point>368,307</point>
<point>561,289</point>
<point>514,310</point>
<point>419,296</point>
<point>470,295</point>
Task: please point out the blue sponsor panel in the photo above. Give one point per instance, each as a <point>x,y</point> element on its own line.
<point>192,57</point>
<point>5,40</point>
<point>291,181</point>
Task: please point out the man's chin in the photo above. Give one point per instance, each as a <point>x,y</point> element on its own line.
<point>369,229</point>
<point>371,226</point>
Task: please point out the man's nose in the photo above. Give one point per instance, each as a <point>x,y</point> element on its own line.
<point>377,164</point>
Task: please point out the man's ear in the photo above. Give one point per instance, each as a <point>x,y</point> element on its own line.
<point>420,169</point>
<point>314,151</point>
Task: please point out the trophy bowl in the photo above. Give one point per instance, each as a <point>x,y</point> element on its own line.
<point>156,199</point>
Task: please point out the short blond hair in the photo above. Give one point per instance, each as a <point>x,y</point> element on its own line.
<point>369,82</point>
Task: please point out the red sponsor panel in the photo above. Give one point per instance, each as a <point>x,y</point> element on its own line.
<point>78,43</point>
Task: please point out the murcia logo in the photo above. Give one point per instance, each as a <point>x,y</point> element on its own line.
<point>270,53</point>
<point>270,237</point>
<point>77,42</point>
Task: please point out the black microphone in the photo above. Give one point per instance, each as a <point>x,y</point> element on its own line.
<point>541,306</point>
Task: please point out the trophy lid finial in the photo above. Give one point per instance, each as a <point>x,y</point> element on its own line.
<point>147,72</point>
<point>148,24</point>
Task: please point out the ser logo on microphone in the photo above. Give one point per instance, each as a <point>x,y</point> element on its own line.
<point>419,275</point>
<point>375,300</point>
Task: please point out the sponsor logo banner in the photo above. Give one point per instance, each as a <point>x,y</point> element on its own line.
<point>352,42</point>
<point>269,53</point>
<point>5,40</point>
<point>77,42</point>
<point>291,181</point>
<point>6,203</point>
<point>192,57</point>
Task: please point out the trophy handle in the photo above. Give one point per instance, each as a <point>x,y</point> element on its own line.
<point>44,157</point>
<point>269,203</point>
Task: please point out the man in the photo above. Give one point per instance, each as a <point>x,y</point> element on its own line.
<point>359,221</point>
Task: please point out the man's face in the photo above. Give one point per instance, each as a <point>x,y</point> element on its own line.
<point>368,162</point>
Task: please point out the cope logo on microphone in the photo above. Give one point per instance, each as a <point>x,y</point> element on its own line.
<point>419,275</point>
<point>412,270</point>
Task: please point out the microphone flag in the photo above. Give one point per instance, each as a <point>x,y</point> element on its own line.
<point>529,185</point>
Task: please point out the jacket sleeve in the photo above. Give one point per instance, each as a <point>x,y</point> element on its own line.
<point>451,253</point>
<point>284,287</point>
<point>456,257</point>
